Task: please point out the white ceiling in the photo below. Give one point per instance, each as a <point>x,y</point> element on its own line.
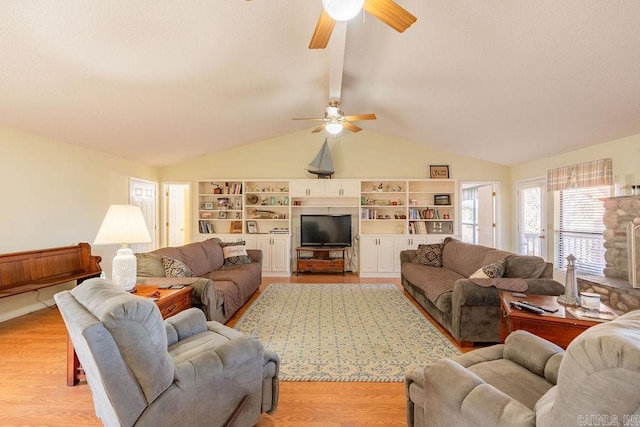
<point>163,81</point>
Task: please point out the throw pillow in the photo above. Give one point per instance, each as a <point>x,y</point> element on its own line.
<point>149,265</point>
<point>235,253</point>
<point>491,271</point>
<point>429,255</point>
<point>175,268</point>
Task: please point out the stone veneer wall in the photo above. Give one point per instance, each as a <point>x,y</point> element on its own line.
<point>616,293</point>
<point>619,212</point>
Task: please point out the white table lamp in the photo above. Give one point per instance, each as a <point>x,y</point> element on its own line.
<point>122,225</point>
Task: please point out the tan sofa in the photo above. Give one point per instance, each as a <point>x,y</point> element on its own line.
<point>218,289</point>
<point>471,313</point>
<point>529,381</point>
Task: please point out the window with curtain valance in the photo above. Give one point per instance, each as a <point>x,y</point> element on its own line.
<point>589,174</point>
<point>579,211</point>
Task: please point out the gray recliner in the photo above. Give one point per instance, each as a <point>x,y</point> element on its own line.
<point>529,381</point>
<point>143,370</point>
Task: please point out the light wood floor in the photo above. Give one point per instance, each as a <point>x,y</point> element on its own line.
<point>33,387</point>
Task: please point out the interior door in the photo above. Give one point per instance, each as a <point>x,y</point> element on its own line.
<point>486,216</point>
<point>478,220</point>
<point>532,218</point>
<point>144,194</point>
<point>177,205</point>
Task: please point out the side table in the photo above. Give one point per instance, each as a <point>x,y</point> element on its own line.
<point>170,302</point>
<point>560,327</point>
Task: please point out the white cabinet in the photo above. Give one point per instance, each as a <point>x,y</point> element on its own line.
<point>377,255</point>
<point>325,188</point>
<point>342,188</point>
<point>307,188</point>
<point>275,253</point>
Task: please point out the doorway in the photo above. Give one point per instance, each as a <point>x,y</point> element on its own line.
<point>478,208</point>
<point>144,194</point>
<point>176,213</point>
<point>532,217</point>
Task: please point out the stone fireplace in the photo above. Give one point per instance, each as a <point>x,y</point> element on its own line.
<point>619,213</point>
<point>614,287</point>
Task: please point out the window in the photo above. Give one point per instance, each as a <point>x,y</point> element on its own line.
<point>579,228</point>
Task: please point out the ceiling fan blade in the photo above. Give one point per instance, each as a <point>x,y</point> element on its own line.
<point>357,117</point>
<point>307,118</point>
<point>322,33</point>
<point>319,128</point>
<point>351,127</point>
<point>390,13</point>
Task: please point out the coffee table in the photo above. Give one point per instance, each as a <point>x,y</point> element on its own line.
<point>560,327</point>
<point>170,302</point>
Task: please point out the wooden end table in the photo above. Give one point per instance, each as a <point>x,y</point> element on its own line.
<point>560,327</point>
<point>170,302</point>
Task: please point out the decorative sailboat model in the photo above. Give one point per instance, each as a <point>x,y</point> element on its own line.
<point>322,165</point>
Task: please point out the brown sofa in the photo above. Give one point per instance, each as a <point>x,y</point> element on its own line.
<point>219,288</point>
<point>470,312</point>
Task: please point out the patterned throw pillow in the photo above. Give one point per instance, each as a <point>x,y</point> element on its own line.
<point>235,253</point>
<point>175,268</point>
<point>491,271</point>
<point>429,255</point>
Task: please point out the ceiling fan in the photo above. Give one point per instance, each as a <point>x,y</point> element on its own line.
<point>342,10</point>
<point>334,119</point>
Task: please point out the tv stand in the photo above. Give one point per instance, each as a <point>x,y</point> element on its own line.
<point>320,260</point>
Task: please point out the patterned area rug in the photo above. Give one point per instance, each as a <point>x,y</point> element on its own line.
<point>343,332</point>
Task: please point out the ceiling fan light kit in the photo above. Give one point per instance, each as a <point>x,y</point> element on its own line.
<point>333,128</point>
<point>343,10</point>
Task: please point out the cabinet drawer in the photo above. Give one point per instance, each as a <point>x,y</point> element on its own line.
<point>175,305</point>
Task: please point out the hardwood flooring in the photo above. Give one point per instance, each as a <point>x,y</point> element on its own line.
<point>33,387</point>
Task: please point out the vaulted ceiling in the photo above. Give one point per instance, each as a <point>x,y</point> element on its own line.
<point>163,81</point>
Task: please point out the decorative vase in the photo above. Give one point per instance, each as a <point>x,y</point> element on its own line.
<point>570,296</point>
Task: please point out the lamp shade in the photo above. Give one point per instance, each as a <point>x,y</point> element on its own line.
<point>123,224</point>
<point>342,10</point>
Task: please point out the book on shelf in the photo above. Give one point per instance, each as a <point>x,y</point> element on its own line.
<point>205,227</point>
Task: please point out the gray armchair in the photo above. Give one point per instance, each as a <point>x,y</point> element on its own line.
<point>183,371</point>
<point>529,381</point>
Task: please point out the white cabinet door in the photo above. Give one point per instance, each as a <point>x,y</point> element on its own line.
<point>377,254</point>
<point>307,188</point>
<point>280,254</point>
<point>386,254</point>
<point>275,253</point>
<point>368,254</point>
<point>342,188</point>
<point>298,188</point>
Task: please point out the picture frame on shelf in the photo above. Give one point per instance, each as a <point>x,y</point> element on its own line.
<point>208,205</point>
<point>441,199</point>
<point>236,227</point>
<point>439,171</point>
<point>222,215</point>
<point>252,227</point>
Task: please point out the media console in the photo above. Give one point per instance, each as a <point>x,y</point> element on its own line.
<point>320,260</point>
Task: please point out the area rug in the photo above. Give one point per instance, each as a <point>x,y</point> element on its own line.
<point>343,332</point>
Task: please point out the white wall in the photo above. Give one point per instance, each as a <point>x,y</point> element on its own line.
<point>625,155</point>
<point>56,194</point>
<point>362,155</point>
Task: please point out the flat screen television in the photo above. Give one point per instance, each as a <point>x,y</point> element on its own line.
<point>325,230</point>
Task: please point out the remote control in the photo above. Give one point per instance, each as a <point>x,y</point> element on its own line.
<point>527,307</point>
<point>530,304</point>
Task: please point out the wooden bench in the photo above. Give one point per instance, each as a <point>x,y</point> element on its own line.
<point>31,270</point>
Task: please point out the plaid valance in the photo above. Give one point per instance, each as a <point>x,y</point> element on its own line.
<point>589,174</point>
